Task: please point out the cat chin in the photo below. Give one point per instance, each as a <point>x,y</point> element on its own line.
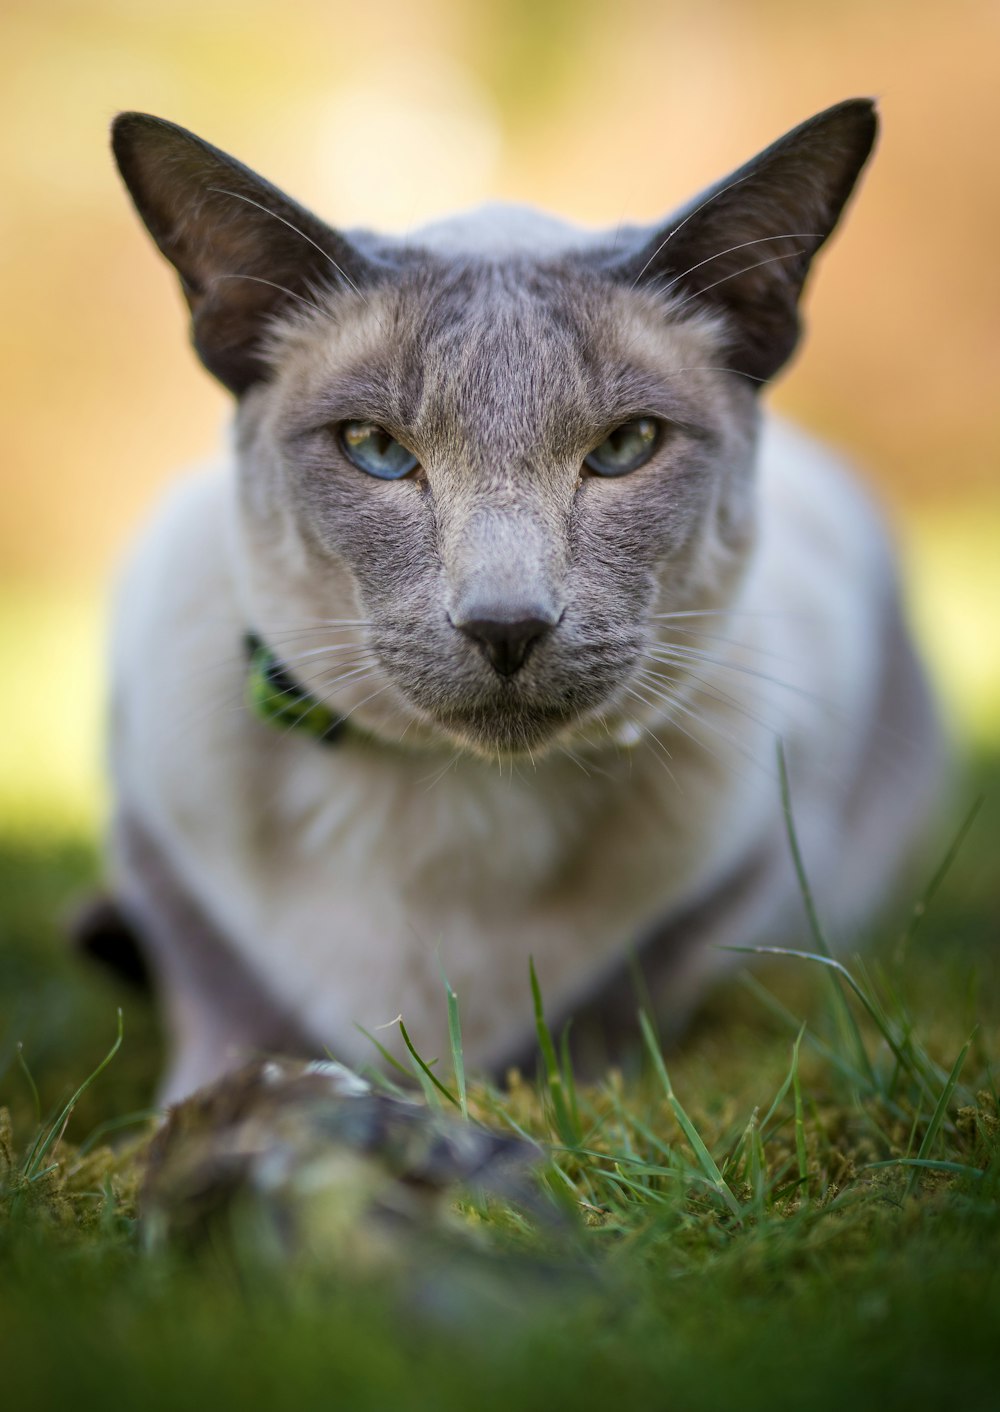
<point>597,730</point>
<point>524,736</point>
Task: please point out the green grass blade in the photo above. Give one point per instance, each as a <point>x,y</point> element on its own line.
<point>455,1041</point>
<point>942,871</point>
<point>390,1059</point>
<point>961,1169</point>
<point>801,1150</point>
<point>758,1168</point>
<point>113,1125</point>
<point>424,1071</point>
<point>553,1074</point>
<point>919,1065</point>
<point>937,1117</point>
<point>831,1056</point>
<point>23,1066</point>
<point>705,1159</point>
<point>569,1082</point>
<point>873,1009</point>
<point>41,1150</point>
<point>793,842</point>
<point>780,1096</point>
<point>844,1019</point>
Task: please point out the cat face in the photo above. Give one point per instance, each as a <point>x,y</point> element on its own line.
<point>485,462</point>
<point>499,379</point>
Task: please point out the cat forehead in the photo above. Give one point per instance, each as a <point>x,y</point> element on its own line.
<point>521,342</point>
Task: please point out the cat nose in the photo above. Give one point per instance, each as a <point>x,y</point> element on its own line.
<point>505,638</point>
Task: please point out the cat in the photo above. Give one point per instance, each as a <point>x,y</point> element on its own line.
<point>475,648</point>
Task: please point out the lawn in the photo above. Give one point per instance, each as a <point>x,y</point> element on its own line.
<point>800,1206</point>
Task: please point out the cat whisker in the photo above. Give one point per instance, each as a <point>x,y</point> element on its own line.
<point>328,648</point>
<point>680,655</point>
<point>753,647</point>
<point>619,746</point>
<point>677,725</point>
<point>241,659</point>
<point>734,274</point>
<point>743,245</point>
<point>702,687</point>
<point>282,289</point>
<point>674,308</point>
<point>733,613</point>
<point>439,775</point>
<point>706,368</point>
<point>304,625</point>
<point>359,672</point>
<point>650,735</point>
<point>674,704</point>
<point>676,230</point>
<point>572,755</point>
<point>238,196</point>
<point>342,720</point>
<point>342,671</point>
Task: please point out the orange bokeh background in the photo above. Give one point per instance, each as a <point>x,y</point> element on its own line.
<point>392,112</point>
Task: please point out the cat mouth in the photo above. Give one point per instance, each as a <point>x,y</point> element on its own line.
<point>521,713</point>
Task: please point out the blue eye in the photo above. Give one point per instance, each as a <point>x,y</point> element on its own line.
<point>371,448</point>
<point>626,449</point>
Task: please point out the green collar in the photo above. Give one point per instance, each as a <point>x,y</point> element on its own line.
<point>275,697</point>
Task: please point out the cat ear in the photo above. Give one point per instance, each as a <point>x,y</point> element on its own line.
<point>244,251</point>
<point>744,248</point>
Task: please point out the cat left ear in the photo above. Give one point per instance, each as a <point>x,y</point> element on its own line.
<point>744,248</point>
<point>244,251</point>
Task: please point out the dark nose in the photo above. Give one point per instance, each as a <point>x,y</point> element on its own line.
<point>505,641</point>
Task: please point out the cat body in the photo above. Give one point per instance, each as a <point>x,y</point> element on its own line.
<point>502,497</point>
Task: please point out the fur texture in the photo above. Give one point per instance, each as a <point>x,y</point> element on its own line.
<point>619,788</point>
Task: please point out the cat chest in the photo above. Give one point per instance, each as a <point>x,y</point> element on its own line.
<point>349,883</point>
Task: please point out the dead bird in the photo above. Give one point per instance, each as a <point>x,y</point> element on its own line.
<point>305,1162</point>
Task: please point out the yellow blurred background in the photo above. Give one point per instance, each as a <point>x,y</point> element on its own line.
<point>391,112</point>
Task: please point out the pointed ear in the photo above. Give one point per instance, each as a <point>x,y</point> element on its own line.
<point>745,247</point>
<point>243,250</point>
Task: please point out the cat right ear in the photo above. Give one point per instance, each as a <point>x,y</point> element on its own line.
<point>244,251</point>
<point>744,248</point>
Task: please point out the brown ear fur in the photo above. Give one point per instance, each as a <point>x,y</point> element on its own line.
<point>745,247</point>
<point>242,248</point>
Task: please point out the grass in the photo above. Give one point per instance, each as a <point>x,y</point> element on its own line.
<point>797,1207</point>
<point>800,1206</point>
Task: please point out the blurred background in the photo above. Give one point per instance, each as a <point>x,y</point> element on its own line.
<point>390,113</point>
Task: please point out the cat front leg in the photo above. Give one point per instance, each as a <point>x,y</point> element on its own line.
<point>218,1014</point>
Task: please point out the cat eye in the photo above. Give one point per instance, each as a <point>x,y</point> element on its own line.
<point>371,448</point>
<point>626,449</point>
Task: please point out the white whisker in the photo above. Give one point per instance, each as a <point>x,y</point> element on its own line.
<point>678,654</point>
<point>650,735</point>
<point>676,230</point>
<point>743,245</point>
<point>674,704</point>
<point>735,274</point>
<point>238,196</point>
<point>282,289</point>
<point>701,686</point>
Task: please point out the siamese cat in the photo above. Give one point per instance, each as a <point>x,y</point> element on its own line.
<point>475,647</point>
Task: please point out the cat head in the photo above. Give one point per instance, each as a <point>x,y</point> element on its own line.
<point>484,461</point>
